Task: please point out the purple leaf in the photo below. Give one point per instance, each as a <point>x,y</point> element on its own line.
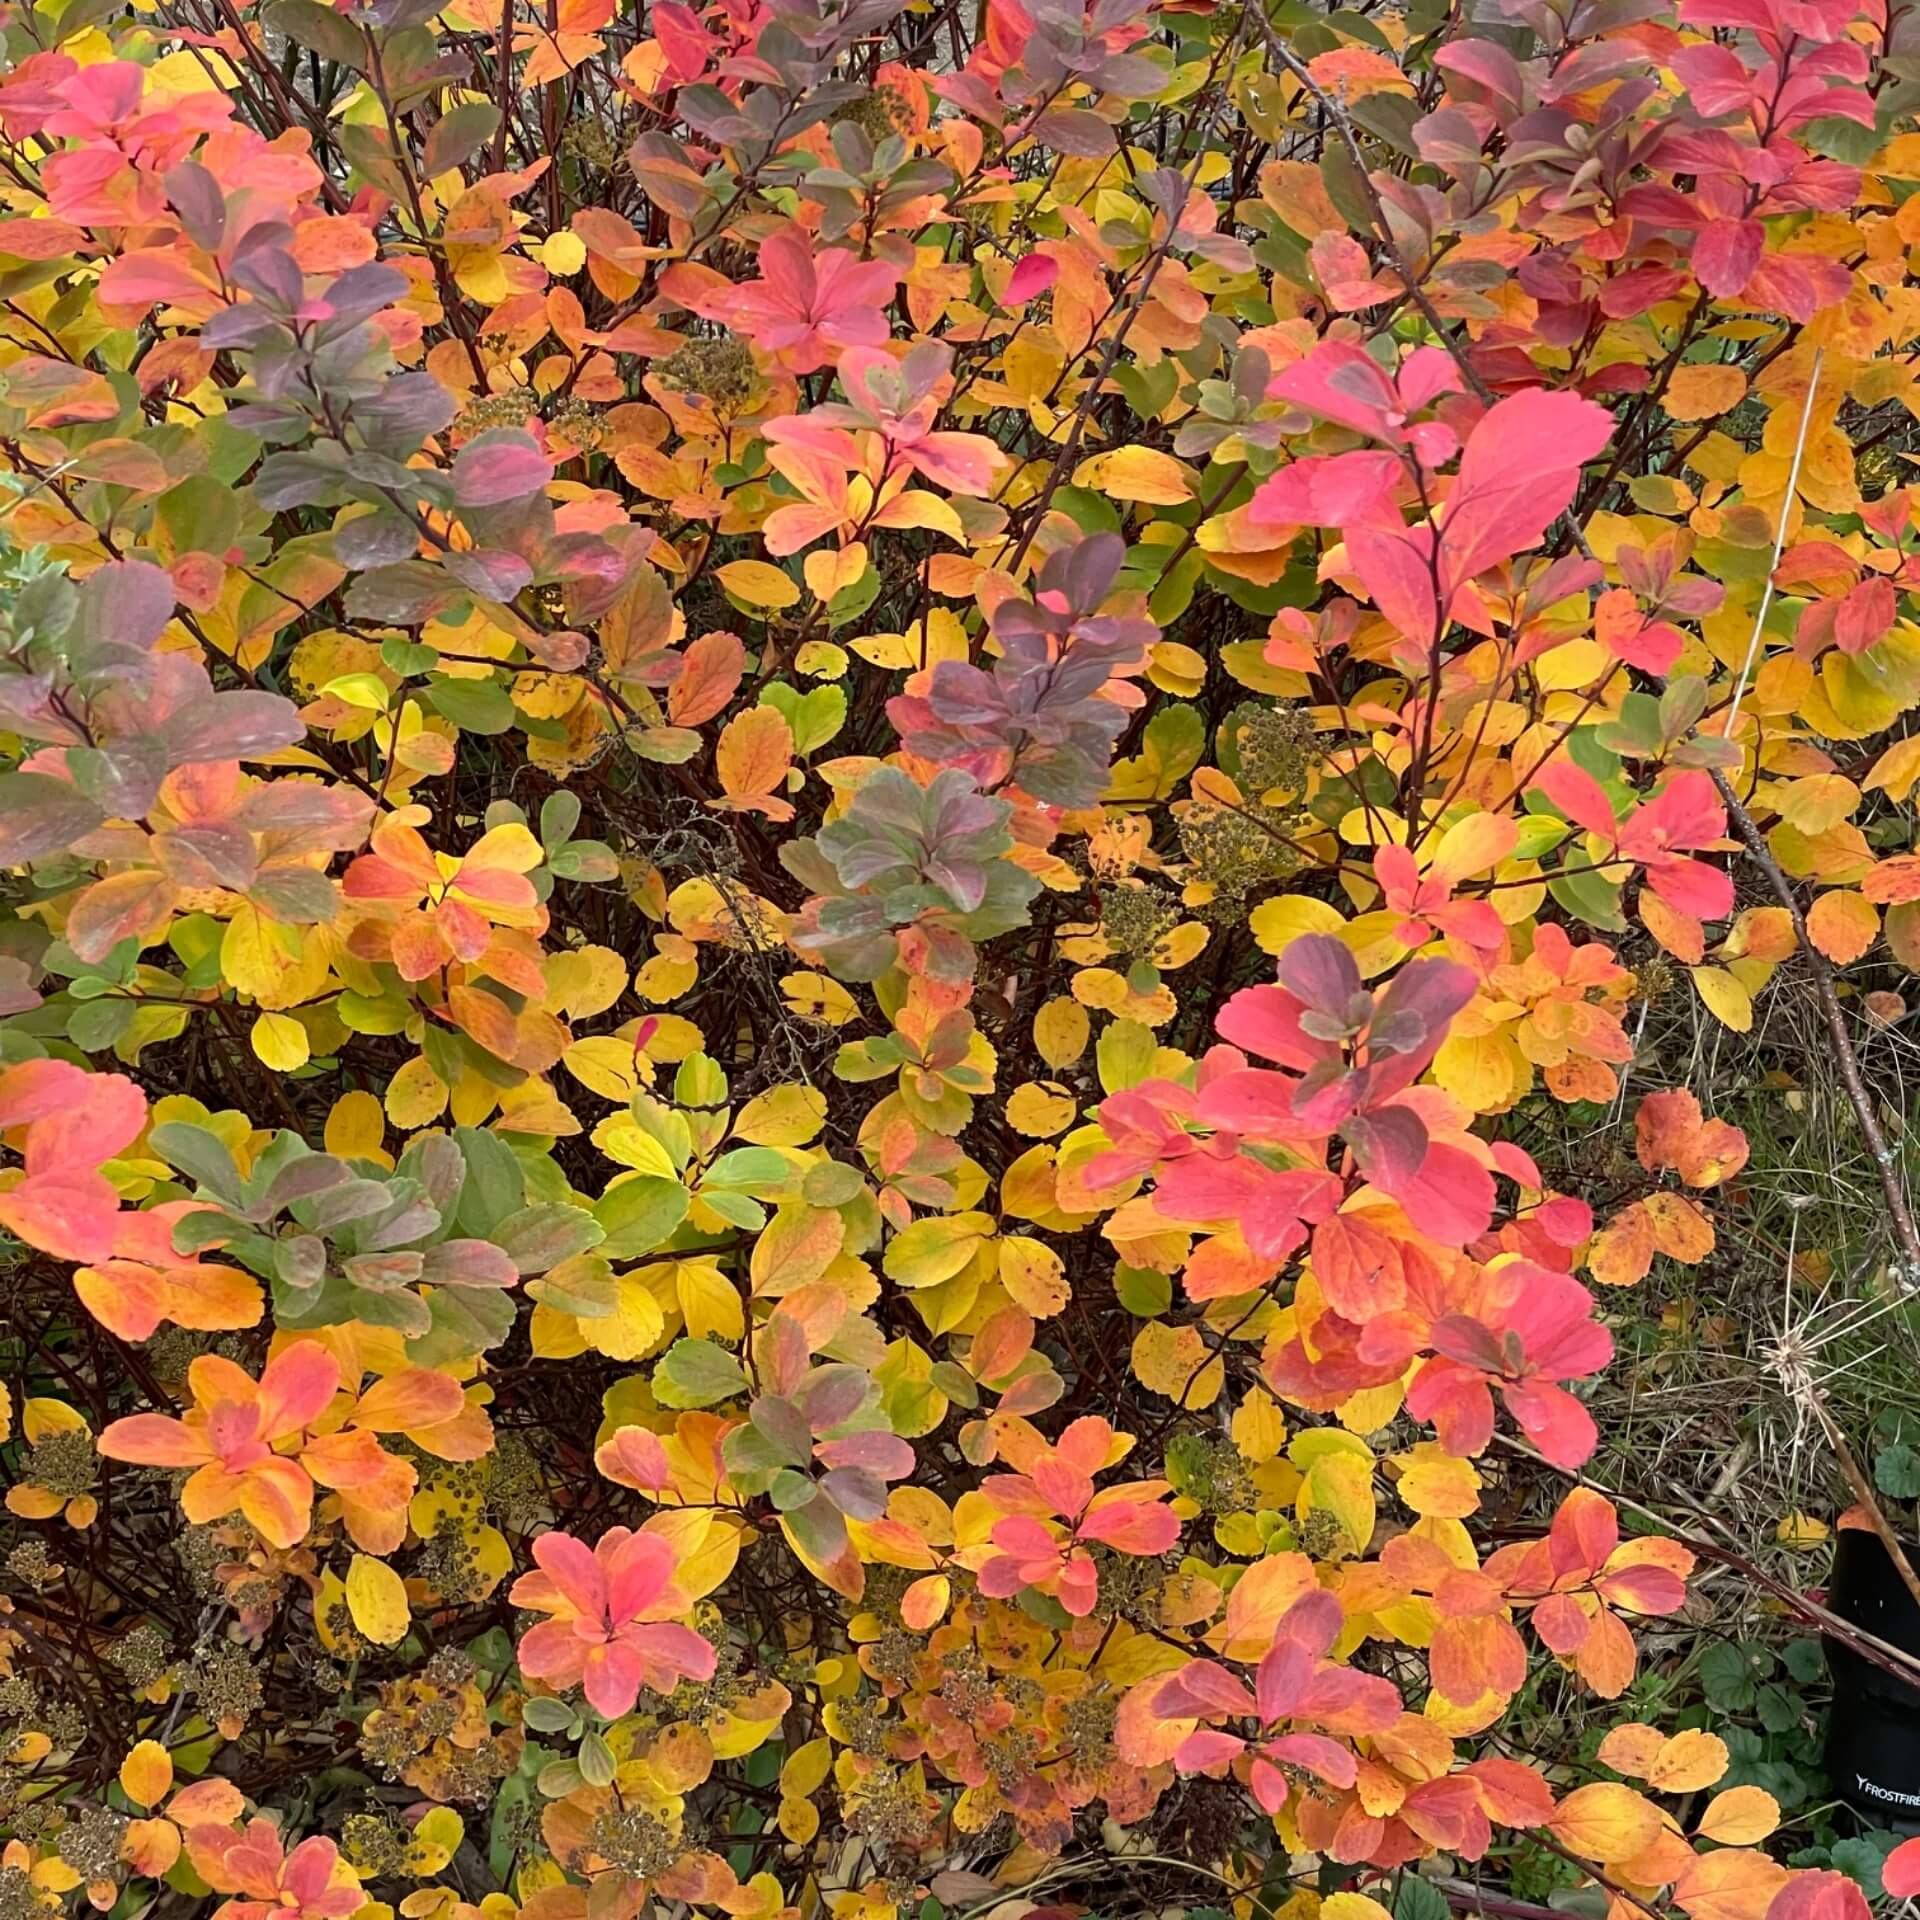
<point>40,815</point>
<point>1390,1144</point>
<point>1320,972</point>
<point>468,1263</point>
<point>489,572</point>
<point>499,467</point>
<point>125,604</point>
<point>234,726</point>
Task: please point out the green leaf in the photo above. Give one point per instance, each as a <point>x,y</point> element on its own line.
<point>371,155</point>
<point>202,1156</point>
<point>1175,739</point>
<point>595,1760</point>
<point>1143,1292</point>
<point>538,1238</point>
<point>474,706</point>
<point>1805,1661</point>
<point>494,1184</point>
<point>639,1214</point>
<point>748,1170</point>
<point>697,1373</point>
<point>1590,897</point>
<point>814,718</point>
<point>1896,1471</point>
<point>458,135</point>
<point>1125,1054</point>
<point>546,1716</point>
<point>319,27</point>
<point>1730,1675</point>
<point>1418,1899</point>
<point>466,1321</point>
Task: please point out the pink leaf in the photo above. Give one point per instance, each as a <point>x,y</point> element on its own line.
<point>1726,253</point>
<point>1031,278</point>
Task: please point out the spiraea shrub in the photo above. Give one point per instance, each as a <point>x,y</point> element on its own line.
<point>823,827</point>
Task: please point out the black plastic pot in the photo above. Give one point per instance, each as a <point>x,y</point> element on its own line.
<point>1873,1740</point>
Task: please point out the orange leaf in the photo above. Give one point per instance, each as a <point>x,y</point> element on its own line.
<point>1622,1251</point>
<point>754,754</point>
<point>1740,1817</point>
<point>924,1604</point>
<point>146,1773</point>
<point>710,669</point>
<point>1605,1821</point>
<point>1843,925</point>
<point>1631,1749</point>
<point>1681,1230</point>
<point>1734,1885</point>
<point>1687,1762</point>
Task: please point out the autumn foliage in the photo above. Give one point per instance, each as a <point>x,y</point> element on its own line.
<point>802,802</point>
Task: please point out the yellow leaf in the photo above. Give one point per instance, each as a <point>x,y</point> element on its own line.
<point>1279,922</point>
<point>1803,1531</point>
<point>1680,1229</point>
<point>264,960</point>
<point>416,1095</point>
<point>832,570</point>
<point>563,253</point>
<point>1818,802</point>
<point>818,996</point>
<point>433,1842</point>
<point>1176,669</point>
<point>925,1603</point>
<point>1178,1363</point>
<point>758,583</point>
<point>377,1600</point>
<point>1060,1031</point>
<point>634,1327</point>
<point>1897,769</point>
<point>1339,1480</point>
<point>1139,474</point>
<point>799,1820</point>
<point>584,981</point>
<point>1724,997</point>
<point>1687,1762</point>
<point>1701,392</point>
<point>821,660</point>
<point>1259,1427</point>
<point>806,1769</point>
<point>1485,1072</point>
<point>933,1250</point>
<point>605,1064</point>
<point>706,1546</point>
<point>1632,1748</point>
<point>709,1302</point>
<point>280,1042</point>
<point>507,848</point>
<point>1740,1817</point>
<point>356,1126</point>
<point>1732,1885</point>
<point>1040,1109</point>
<point>1034,1276</point>
<point>1437,1484</point>
<point>146,1773</point>
<point>797,1246</point>
<point>785,1116</point>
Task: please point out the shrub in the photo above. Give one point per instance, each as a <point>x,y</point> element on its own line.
<point>805,807</point>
